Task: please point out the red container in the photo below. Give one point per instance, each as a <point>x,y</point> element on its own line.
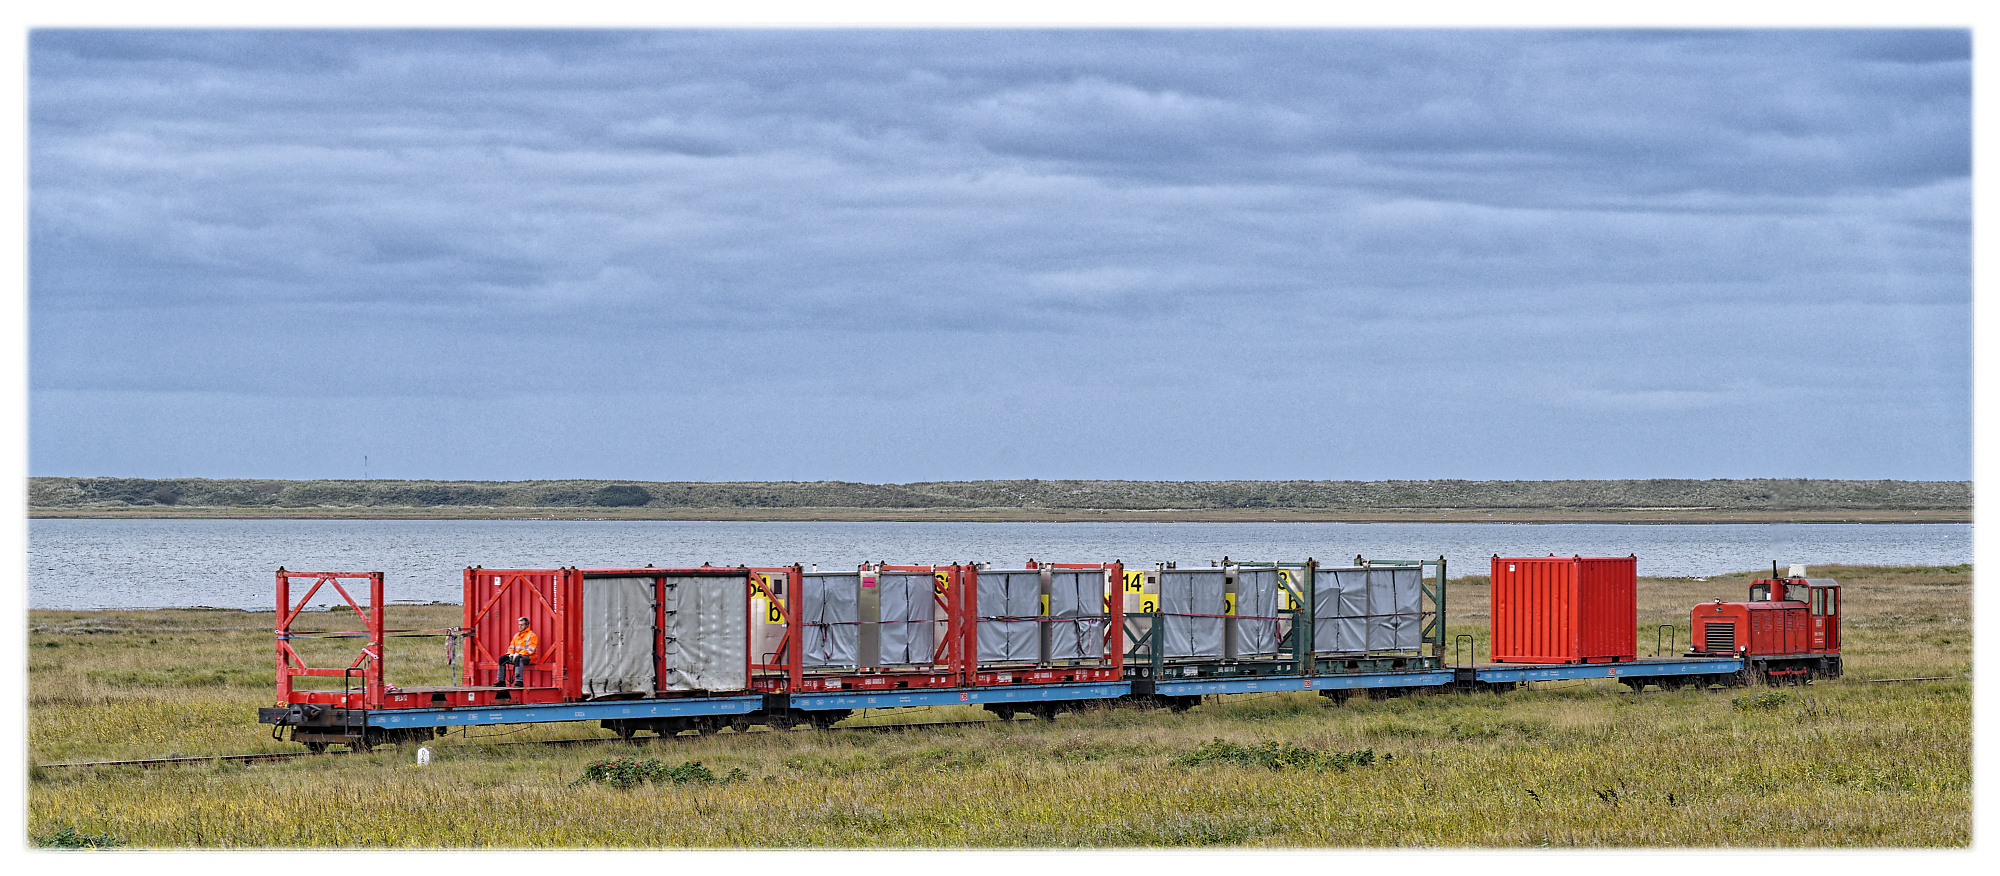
<point>1565,609</point>
<point>495,599</point>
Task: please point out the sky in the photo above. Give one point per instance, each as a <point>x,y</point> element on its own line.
<point>908,255</point>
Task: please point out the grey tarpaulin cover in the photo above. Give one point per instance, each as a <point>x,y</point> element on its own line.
<point>1191,606</point>
<point>908,612</point>
<point>617,635</point>
<point>828,611</point>
<point>1077,599</point>
<point>1009,603</point>
<point>706,633</point>
<point>1357,610</point>
<point>1255,627</point>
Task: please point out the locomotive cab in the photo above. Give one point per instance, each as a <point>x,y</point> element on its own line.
<point>1789,627</point>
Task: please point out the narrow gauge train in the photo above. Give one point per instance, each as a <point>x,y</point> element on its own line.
<point>672,650</point>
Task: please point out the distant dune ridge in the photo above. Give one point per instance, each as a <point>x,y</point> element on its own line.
<point>64,494</point>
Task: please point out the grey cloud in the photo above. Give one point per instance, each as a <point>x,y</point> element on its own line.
<point>995,205</point>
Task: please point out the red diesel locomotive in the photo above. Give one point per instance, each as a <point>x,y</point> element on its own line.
<point>1788,631</point>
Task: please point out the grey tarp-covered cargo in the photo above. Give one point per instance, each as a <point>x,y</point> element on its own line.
<point>617,636</point>
<point>705,633</point>
<point>1009,603</point>
<point>1360,610</point>
<point>908,610</point>
<point>828,609</point>
<point>1076,600</point>
<point>1254,629</point>
<point>1191,607</point>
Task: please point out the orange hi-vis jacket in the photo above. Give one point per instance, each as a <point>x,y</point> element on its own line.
<point>524,644</point>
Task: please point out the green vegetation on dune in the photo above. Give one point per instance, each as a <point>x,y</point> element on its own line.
<point>1836,763</point>
<point>56,493</point>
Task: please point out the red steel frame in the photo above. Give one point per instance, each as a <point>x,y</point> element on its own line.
<point>552,600</point>
<point>1114,602</point>
<point>746,573</point>
<point>787,666</point>
<point>951,659</point>
<point>290,664</point>
<point>1114,633</point>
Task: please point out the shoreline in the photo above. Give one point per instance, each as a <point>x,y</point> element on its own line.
<point>1637,516</point>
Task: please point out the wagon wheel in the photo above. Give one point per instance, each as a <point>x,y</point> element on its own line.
<point>739,723</point>
<point>823,720</point>
<point>1671,683</point>
<point>626,731</point>
<point>1337,696</point>
<point>1004,713</point>
<point>316,747</point>
<point>1044,711</point>
<point>706,725</point>
<point>780,721</point>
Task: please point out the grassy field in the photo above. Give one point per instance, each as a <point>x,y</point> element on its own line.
<point>1838,763</point>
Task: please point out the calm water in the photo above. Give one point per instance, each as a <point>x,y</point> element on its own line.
<point>76,564</point>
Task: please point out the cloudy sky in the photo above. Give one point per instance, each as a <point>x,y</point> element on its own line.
<point>894,256</point>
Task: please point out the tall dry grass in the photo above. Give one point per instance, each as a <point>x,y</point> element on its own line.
<point>1842,763</point>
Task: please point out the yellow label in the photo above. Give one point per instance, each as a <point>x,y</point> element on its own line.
<point>1149,603</point>
<point>1135,580</point>
<point>1045,605</point>
<point>774,615</point>
<point>1228,603</point>
<point>1286,599</point>
<point>941,583</point>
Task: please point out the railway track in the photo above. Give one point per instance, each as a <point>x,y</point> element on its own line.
<point>552,743</point>
<point>608,740</point>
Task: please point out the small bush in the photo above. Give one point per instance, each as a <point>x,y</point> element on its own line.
<point>1764,701</point>
<point>67,837</point>
<point>625,772</point>
<point>1276,755</point>
<point>621,496</point>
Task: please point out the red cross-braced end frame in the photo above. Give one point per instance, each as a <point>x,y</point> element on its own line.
<point>366,666</point>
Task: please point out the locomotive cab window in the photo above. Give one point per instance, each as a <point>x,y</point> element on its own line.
<point>1819,602</point>
<point>1796,592</point>
<point>1760,592</point>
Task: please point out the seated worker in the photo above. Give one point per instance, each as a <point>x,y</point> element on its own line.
<point>519,652</point>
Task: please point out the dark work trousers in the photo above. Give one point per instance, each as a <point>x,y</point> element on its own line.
<point>520,662</point>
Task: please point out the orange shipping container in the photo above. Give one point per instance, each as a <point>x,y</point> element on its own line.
<point>1565,609</point>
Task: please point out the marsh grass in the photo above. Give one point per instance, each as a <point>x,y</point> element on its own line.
<point>1842,763</point>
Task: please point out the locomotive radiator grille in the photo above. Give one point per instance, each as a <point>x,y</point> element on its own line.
<point>1719,637</point>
